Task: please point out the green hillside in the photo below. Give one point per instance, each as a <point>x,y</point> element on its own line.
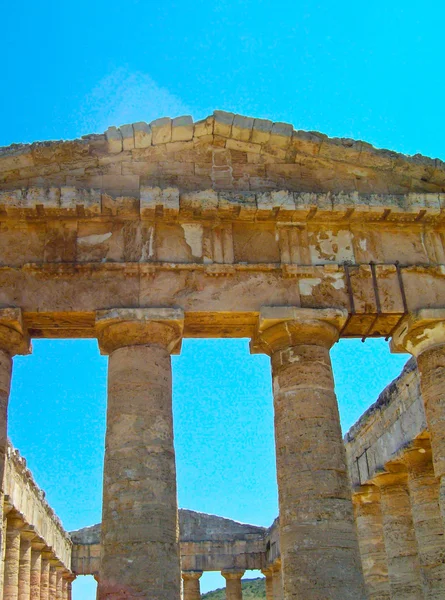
<point>253,589</point>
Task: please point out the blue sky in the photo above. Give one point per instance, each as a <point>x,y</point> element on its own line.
<point>371,71</point>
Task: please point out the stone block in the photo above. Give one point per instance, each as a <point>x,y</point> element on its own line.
<point>240,146</point>
<point>281,135</point>
<point>223,123</point>
<point>114,140</point>
<point>153,198</point>
<point>182,129</point>
<point>142,135</point>
<point>127,137</point>
<point>203,128</point>
<point>242,128</point>
<point>161,130</point>
<point>261,131</point>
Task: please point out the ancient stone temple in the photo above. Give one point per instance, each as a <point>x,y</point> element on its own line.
<point>235,227</point>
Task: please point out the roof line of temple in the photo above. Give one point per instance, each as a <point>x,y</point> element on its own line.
<point>383,399</point>
<point>235,131</point>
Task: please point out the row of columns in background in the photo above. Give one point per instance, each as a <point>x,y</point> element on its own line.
<point>30,569</point>
<point>319,548</point>
<point>274,586</point>
<point>400,529</point>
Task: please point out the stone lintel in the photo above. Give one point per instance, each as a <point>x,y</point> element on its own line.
<point>14,338</point>
<point>419,331</point>
<point>281,327</point>
<point>121,327</point>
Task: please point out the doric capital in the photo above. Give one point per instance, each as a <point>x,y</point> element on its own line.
<point>281,327</point>
<point>188,575</point>
<point>121,327</point>
<point>420,330</point>
<point>366,494</point>
<point>13,337</point>
<point>417,455</point>
<point>387,479</point>
<point>232,574</point>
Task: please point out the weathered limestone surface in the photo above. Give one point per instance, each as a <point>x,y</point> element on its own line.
<point>369,522</point>
<point>428,526</point>
<point>319,549</point>
<point>422,333</point>
<point>233,584</point>
<point>190,585</point>
<point>140,514</point>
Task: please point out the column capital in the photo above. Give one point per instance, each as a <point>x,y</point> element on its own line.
<point>187,575</point>
<point>366,494</point>
<point>417,455</point>
<point>282,327</point>
<point>14,339</point>
<point>418,331</point>
<point>121,327</point>
<point>267,571</point>
<point>233,574</point>
<point>387,479</point>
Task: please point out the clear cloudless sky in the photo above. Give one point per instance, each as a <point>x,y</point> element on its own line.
<point>371,71</point>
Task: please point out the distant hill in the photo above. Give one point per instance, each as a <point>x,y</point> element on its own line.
<point>253,589</point>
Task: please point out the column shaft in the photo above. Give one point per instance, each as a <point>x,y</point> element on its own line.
<point>24,587</point>
<point>369,522</point>
<point>12,560</point>
<point>190,585</point>
<point>36,570</point>
<point>59,583</point>
<point>268,575</point>
<point>401,548</point>
<point>234,590</point>
<point>319,548</point>
<point>52,583</point>
<point>431,365</point>
<point>277,583</point>
<point>44,578</point>
<point>428,525</point>
<point>139,523</point>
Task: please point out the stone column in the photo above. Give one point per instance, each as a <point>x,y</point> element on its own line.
<point>12,558</point>
<point>369,522</point>
<point>234,591</point>
<point>13,340</point>
<point>428,526</point>
<point>24,589</point>
<point>268,575</point>
<point>190,585</point>
<point>44,577</point>
<point>68,584</point>
<point>277,581</point>
<point>319,549</point>
<point>59,582</point>
<point>405,580</point>
<point>422,334</point>
<point>140,512</point>
<point>52,583</point>
<point>36,569</point>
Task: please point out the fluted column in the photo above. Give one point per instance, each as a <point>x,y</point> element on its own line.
<point>234,590</point>
<point>59,581</point>
<point>36,569</point>
<point>268,575</point>
<point>69,585</point>
<point>405,580</point>
<point>369,521</point>
<point>44,577</point>
<point>319,549</point>
<point>190,585</point>
<point>140,512</point>
<point>422,334</point>
<point>24,589</point>
<point>13,340</point>
<point>12,558</point>
<point>428,525</point>
<point>52,583</point>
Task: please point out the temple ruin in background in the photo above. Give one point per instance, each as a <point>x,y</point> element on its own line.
<point>237,227</point>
